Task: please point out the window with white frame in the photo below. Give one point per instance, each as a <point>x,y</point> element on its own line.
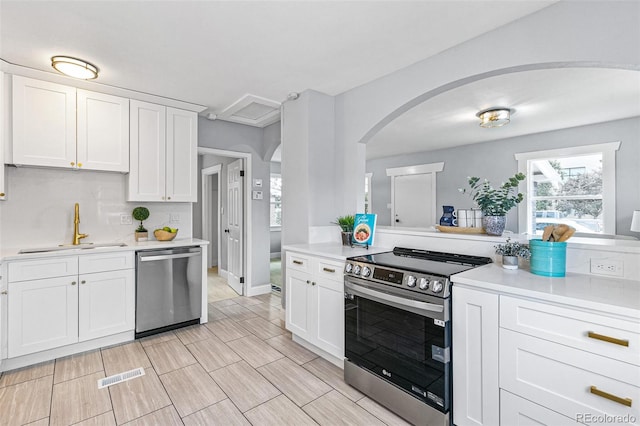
<point>367,192</point>
<point>575,186</point>
<point>275,211</point>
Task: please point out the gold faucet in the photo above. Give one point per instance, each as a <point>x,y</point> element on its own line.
<point>76,232</point>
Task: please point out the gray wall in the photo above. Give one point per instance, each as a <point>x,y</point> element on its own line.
<point>494,160</point>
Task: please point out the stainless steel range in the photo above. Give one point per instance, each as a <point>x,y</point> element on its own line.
<point>398,330</point>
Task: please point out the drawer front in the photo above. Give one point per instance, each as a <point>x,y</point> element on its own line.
<point>606,336</point>
<point>567,380</point>
<point>330,270</point>
<point>298,262</point>
<point>516,411</point>
<point>103,262</point>
<point>24,270</point>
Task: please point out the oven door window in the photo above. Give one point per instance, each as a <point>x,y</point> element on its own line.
<point>404,348</point>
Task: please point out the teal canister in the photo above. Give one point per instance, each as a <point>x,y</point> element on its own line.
<point>548,259</point>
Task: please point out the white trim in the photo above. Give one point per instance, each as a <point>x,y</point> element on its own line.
<point>369,180</point>
<point>258,290</point>
<point>229,113</point>
<point>206,204</point>
<point>275,255</point>
<point>608,151</point>
<point>248,211</point>
<point>415,170</point>
<point>223,273</point>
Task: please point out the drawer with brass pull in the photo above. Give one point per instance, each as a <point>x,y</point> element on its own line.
<point>330,270</point>
<point>298,262</point>
<point>590,331</point>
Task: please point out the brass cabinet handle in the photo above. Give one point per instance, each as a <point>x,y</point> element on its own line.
<point>313,283</point>
<point>621,342</point>
<point>1,194</point>
<point>308,282</point>
<point>606,395</point>
<point>79,164</point>
<point>168,198</point>
<point>329,270</point>
<point>297,262</point>
<point>73,283</point>
<point>83,282</point>
<point>73,164</point>
<point>4,292</point>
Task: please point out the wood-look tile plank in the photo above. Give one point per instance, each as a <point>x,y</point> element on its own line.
<point>106,419</point>
<point>227,329</point>
<point>266,311</point>
<point>334,408</point>
<point>25,374</point>
<point>193,333</point>
<point>224,413</point>
<point>138,397</point>
<point>213,354</point>
<point>237,312</point>
<point>224,302</point>
<point>78,365</point>
<point>279,411</point>
<point>255,351</point>
<point>41,422</point>
<point>157,338</point>
<point>244,385</point>
<point>247,301</point>
<point>214,314</point>
<point>78,399</point>
<point>291,349</point>
<point>332,375</point>
<point>27,401</point>
<point>298,384</point>
<point>167,416</point>
<point>191,389</point>
<point>118,359</point>
<point>168,356</point>
<point>261,328</point>
<point>381,412</point>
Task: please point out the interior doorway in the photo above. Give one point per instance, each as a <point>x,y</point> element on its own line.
<point>275,221</point>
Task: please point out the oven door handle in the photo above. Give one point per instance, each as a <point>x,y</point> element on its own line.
<point>422,308</point>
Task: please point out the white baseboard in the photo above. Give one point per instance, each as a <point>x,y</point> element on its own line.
<point>223,273</point>
<point>276,255</point>
<point>258,290</point>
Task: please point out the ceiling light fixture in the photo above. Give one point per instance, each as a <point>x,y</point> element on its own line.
<point>495,117</point>
<point>73,67</point>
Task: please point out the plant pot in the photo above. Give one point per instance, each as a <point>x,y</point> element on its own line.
<point>141,236</point>
<point>346,238</point>
<point>494,225</point>
<point>510,262</point>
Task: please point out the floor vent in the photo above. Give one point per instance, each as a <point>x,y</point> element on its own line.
<point>119,378</point>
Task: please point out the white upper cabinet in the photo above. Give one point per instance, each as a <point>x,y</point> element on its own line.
<point>163,152</point>
<point>61,126</point>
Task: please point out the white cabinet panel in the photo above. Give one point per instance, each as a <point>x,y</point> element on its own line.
<point>516,411</point>
<point>329,299</point>
<point>106,304</point>
<point>106,262</point>
<point>44,123</point>
<point>23,270</point>
<point>43,314</point>
<point>298,303</point>
<point>103,132</point>
<point>475,357</point>
<point>182,155</point>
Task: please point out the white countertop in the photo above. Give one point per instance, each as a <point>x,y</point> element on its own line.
<point>592,292</point>
<point>334,250</point>
<point>12,254</point>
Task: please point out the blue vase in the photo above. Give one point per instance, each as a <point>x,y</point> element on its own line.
<point>449,216</point>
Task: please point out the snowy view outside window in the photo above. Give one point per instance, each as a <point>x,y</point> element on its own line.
<point>276,201</point>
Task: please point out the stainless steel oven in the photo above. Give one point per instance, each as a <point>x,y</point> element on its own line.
<point>398,330</point>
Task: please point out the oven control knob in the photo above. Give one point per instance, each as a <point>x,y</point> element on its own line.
<point>423,283</point>
<point>411,281</point>
<point>436,286</point>
<point>366,271</point>
<point>348,268</point>
<point>356,270</point>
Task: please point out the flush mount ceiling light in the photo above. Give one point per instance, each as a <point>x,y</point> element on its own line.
<point>73,67</point>
<point>495,117</point>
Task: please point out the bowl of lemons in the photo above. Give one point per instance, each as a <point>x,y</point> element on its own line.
<point>165,234</point>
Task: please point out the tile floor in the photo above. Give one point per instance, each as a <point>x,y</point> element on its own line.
<point>241,368</point>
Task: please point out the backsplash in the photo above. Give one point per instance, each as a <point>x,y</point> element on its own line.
<point>40,206</point>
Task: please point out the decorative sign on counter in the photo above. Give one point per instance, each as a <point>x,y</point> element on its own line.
<point>364,227</point>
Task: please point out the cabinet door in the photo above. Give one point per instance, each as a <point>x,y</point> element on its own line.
<point>516,411</point>
<point>103,132</point>
<point>44,123</point>
<point>299,304</point>
<point>182,155</point>
<point>147,148</point>
<point>475,357</point>
<point>42,314</point>
<point>106,304</point>
<point>329,306</point>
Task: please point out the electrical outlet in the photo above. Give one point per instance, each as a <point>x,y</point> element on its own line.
<point>609,267</point>
<point>174,217</point>
<point>125,219</point>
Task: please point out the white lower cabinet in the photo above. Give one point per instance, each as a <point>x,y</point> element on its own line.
<point>516,411</point>
<point>47,313</point>
<point>315,301</point>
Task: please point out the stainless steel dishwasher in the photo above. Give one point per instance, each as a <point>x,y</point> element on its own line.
<point>168,289</point>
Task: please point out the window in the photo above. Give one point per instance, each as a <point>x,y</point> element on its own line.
<point>367,192</point>
<point>275,212</point>
<point>574,185</point>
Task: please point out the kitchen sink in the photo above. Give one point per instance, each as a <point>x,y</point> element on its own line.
<point>84,246</point>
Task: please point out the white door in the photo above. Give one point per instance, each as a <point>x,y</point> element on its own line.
<point>234,227</point>
<point>413,200</point>
<point>182,155</point>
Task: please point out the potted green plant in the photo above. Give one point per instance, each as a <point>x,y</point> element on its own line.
<point>141,214</point>
<point>511,251</point>
<point>495,202</point>
<point>346,225</point>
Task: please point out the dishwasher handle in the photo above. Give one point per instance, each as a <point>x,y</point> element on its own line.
<point>143,258</point>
